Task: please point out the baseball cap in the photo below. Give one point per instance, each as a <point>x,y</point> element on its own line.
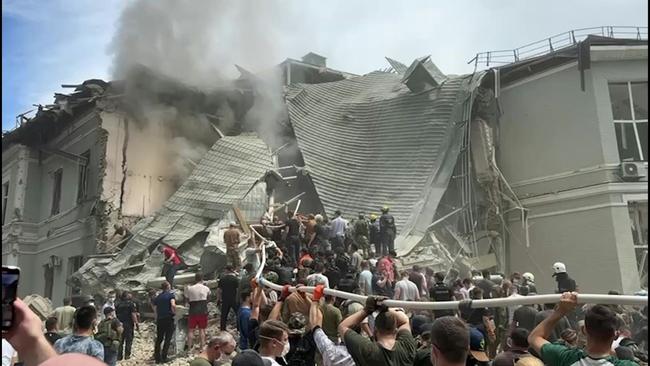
<point>248,357</point>
<point>477,345</point>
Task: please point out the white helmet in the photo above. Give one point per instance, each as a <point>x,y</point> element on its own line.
<point>528,277</point>
<point>559,267</point>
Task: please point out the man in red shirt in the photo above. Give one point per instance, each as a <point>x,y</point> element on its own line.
<point>171,262</point>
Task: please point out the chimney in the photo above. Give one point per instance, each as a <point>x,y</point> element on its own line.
<point>314,59</point>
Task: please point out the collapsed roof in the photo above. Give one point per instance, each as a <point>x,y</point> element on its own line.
<point>370,141</point>
<point>221,180</point>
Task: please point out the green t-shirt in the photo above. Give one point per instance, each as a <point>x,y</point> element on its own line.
<point>200,361</point>
<point>365,352</point>
<point>331,319</point>
<point>560,355</point>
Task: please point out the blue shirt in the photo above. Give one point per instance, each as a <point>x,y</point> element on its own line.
<point>80,344</point>
<point>243,316</point>
<point>163,303</point>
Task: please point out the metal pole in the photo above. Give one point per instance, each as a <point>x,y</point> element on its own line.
<point>450,305</point>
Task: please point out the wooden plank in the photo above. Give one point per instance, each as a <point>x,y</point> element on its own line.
<point>242,220</point>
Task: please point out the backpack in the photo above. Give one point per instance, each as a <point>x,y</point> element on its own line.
<point>304,353</point>
<point>106,335</point>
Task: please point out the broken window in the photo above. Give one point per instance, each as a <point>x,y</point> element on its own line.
<point>5,200</point>
<point>74,263</point>
<point>639,224</point>
<point>56,191</point>
<point>82,187</point>
<point>630,110</point>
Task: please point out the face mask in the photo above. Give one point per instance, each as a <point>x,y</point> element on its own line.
<point>287,346</point>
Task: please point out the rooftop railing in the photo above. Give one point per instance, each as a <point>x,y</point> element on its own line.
<point>554,43</point>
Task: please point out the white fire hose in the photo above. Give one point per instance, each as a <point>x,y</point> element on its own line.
<point>452,305</point>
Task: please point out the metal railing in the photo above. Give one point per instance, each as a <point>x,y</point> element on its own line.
<point>555,43</point>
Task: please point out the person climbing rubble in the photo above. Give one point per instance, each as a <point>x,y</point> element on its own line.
<point>232,238</point>
<point>171,262</point>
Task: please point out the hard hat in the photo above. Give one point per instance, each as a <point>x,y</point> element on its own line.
<point>373,217</point>
<point>558,267</point>
<point>528,277</point>
<point>384,209</point>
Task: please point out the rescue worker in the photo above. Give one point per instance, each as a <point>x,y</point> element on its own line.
<point>564,282</point>
<point>361,234</point>
<point>373,231</point>
<point>387,231</point>
<point>441,292</point>
<point>231,239</point>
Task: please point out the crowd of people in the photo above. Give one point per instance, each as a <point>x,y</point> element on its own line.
<point>315,328</point>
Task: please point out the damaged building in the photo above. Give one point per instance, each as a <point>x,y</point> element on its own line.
<point>472,166</point>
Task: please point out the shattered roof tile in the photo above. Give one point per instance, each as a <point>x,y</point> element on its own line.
<point>368,142</point>
<point>222,178</point>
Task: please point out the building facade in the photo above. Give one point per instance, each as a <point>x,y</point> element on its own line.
<point>568,133</point>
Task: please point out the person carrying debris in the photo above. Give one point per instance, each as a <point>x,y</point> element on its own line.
<point>171,262</point>
<point>387,231</point>
<point>231,238</point>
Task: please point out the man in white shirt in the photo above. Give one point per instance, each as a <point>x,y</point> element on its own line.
<point>197,296</point>
<point>338,225</point>
<point>405,289</point>
<point>467,287</point>
<point>318,278</point>
<point>365,279</point>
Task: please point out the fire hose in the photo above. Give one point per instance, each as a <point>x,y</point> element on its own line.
<point>452,305</point>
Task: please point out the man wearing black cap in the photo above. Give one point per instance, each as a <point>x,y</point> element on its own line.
<point>477,349</point>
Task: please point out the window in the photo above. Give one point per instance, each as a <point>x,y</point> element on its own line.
<point>56,191</point>
<point>5,200</point>
<point>630,110</point>
<point>74,263</point>
<point>639,223</point>
<point>82,187</point>
<point>49,280</point>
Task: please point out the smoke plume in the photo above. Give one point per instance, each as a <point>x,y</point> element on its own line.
<point>191,48</point>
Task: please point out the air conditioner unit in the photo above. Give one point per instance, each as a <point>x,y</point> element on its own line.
<point>632,170</point>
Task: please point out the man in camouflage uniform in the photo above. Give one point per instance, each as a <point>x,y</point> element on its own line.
<point>232,238</point>
<point>361,234</point>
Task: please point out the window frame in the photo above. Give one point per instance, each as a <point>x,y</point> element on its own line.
<point>56,192</point>
<point>632,121</point>
<point>5,200</point>
<point>82,184</point>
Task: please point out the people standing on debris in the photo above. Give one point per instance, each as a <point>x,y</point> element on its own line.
<point>292,228</point>
<point>362,234</point>
<point>227,294</point>
<point>441,292</point>
<point>231,238</point>
<point>65,316</point>
<point>81,340</point>
<point>387,231</point>
<point>171,262</point>
<point>251,254</point>
<point>218,349</point>
<point>373,235</point>
<point>197,296</point>
<point>109,333</point>
<point>51,331</point>
<point>164,306</point>
<point>355,258</point>
<point>337,230</point>
<point>127,313</point>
